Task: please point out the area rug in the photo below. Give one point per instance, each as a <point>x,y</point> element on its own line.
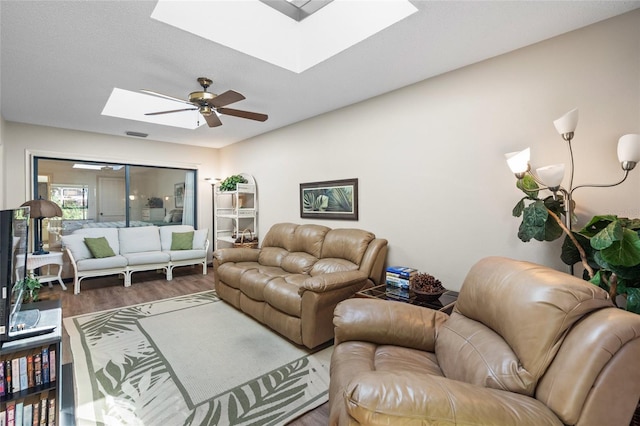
<point>190,360</point>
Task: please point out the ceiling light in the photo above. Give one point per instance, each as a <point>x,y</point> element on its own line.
<point>87,166</point>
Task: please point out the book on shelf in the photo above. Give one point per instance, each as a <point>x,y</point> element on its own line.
<point>30,373</point>
<point>2,380</point>
<point>11,414</point>
<point>24,381</point>
<point>37,368</point>
<point>52,365</point>
<point>15,373</point>
<point>19,412</point>
<point>8,375</point>
<point>51,415</point>
<point>27,415</point>
<point>36,414</point>
<point>45,365</point>
<point>43,412</point>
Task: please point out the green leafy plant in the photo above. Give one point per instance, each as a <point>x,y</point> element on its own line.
<point>30,287</point>
<point>612,248</point>
<point>608,247</point>
<point>231,183</point>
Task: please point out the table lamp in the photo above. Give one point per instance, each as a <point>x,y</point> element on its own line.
<point>38,210</point>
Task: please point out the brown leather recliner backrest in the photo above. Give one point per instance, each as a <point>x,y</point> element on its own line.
<point>509,322</point>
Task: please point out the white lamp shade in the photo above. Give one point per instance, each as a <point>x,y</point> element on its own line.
<point>629,148</point>
<point>518,161</point>
<point>551,176</point>
<point>568,122</point>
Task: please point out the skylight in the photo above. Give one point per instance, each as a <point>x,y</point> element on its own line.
<point>258,30</point>
<point>297,9</point>
<point>133,105</point>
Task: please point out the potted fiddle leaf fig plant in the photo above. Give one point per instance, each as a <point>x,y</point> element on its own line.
<point>608,246</point>
<point>612,248</point>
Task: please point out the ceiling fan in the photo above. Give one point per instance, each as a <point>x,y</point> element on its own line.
<point>208,104</point>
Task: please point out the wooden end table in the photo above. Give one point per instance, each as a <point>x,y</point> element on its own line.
<point>444,303</point>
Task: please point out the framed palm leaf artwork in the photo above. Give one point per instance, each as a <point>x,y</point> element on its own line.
<point>334,199</point>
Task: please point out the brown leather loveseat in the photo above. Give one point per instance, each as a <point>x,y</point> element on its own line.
<point>294,281</point>
<point>524,345</point>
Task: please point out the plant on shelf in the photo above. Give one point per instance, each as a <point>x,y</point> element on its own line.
<point>30,287</point>
<point>231,183</point>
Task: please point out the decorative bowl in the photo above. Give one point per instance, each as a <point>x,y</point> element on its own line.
<point>428,296</point>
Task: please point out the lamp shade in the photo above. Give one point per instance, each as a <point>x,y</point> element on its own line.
<point>551,176</point>
<point>518,161</point>
<point>43,208</point>
<point>567,123</point>
<point>629,148</point>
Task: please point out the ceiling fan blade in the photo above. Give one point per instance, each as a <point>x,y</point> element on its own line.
<point>243,114</point>
<point>169,112</point>
<point>150,92</point>
<point>226,98</point>
<point>213,120</point>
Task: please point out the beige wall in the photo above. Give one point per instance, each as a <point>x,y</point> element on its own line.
<point>21,141</point>
<point>429,157</point>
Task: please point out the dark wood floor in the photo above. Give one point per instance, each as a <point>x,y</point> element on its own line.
<point>103,293</point>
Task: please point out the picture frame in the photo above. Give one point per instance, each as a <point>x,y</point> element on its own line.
<point>178,194</point>
<point>333,199</point>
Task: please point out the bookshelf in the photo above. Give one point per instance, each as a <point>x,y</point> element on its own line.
<point>234,211</point>
<point>34,389</point>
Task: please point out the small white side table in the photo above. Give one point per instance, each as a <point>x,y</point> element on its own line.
<point>35,261</point>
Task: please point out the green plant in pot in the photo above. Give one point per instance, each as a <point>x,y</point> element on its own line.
<point>231,183</point>
<point>30,287</point>
<point>608,246</point>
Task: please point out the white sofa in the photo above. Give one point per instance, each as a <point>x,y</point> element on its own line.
<point>136,249</point>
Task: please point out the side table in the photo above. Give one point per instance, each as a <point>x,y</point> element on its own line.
<point>445,303</point>
<point>35,261</point>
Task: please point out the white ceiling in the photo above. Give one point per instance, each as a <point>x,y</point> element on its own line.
<point>60,60</point>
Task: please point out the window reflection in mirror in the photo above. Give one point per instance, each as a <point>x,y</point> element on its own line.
<point>93,194</point>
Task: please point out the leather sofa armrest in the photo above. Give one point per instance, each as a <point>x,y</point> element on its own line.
<point>239,254</point>
<point>333,281</point>
<point>382,397</point>
<point>387,323</point>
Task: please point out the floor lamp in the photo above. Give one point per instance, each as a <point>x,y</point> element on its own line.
<point>38,210</point>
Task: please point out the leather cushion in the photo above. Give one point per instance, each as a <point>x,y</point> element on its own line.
<point>272,256</point>
<point>327,266</point>
<point>349,244</point>
<point>298,263</point>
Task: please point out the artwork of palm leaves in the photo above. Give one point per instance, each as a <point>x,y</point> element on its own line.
<point>338,199</point>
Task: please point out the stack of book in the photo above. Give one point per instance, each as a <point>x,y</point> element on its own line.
<point>399,276</point>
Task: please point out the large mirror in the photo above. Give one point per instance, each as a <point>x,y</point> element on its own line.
<point>95,194</point>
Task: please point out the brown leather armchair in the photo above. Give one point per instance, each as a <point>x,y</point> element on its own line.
<point>524,345</point>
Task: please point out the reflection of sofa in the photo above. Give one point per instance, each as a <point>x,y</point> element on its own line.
<point>525,345</point>
<point>135,249</point>
<point>293,282</point>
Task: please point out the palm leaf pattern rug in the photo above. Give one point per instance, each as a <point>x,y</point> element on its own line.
<point>190,360</point>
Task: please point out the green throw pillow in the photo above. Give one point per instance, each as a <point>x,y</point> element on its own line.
<point>182,240</point>
<point>99,247</point>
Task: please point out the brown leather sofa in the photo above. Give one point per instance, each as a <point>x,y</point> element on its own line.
<point>524,345</point>
<point>294,281</point>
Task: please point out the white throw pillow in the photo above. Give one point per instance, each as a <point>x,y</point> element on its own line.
<point>167,218</point>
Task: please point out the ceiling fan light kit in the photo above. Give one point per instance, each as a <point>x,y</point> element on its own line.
<point>210,105</point>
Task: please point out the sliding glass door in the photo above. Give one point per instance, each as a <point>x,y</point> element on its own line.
<point>93,194</point>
